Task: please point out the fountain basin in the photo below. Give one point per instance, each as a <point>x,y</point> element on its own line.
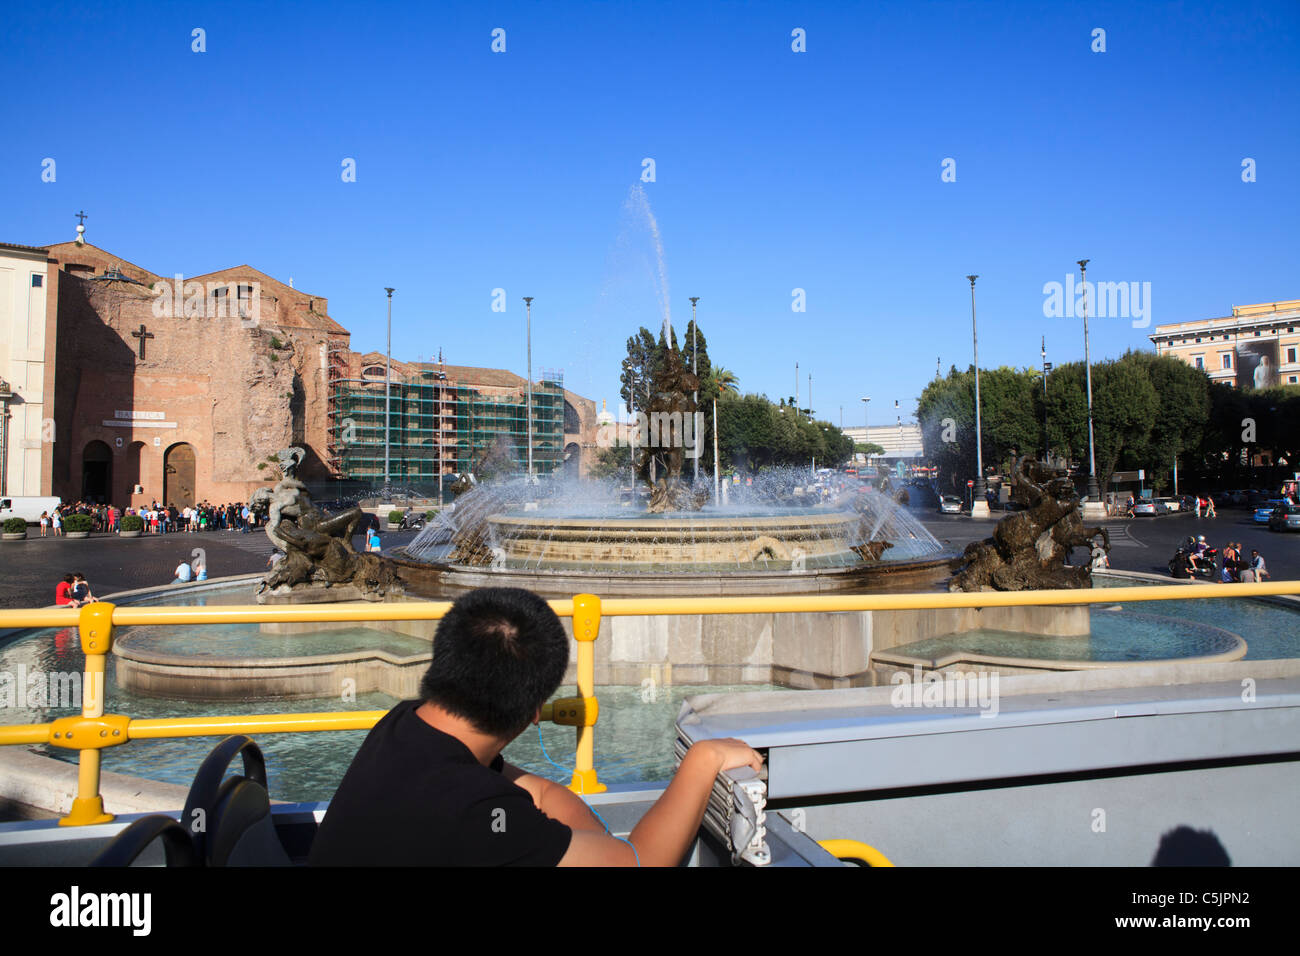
<point>680,543</point>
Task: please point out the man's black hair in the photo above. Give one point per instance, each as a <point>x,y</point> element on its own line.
<point>498,654</point>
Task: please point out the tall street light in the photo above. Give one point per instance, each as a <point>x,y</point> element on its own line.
<point>528,306</point>
<point>1047,441</point>
<point>1094,493</point>
<point>866,425</point>
<point>388,371</point>
<point>695,396</point>
<point>979,507</point>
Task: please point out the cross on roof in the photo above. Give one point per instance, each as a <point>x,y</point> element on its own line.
<point>142,335</point>
<point>81,216</point>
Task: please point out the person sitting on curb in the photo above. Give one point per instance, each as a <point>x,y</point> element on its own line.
<point>184,573</point>
<point>81,589</point>
<point>1256,571</point>
<point>63,593</point>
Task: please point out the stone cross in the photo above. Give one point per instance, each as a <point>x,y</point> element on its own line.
<point>142,335</point>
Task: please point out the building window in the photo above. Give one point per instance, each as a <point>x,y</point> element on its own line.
<point>1290,355</point>
<point>1199,361</point>
<point>1227,359</point>
<point>37,281</point>
<point>1198,339</point>
<point>1291,380</point>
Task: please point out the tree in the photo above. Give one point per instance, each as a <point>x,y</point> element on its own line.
<point>1124,409</point>
<point>637,369</point>
<point>946,414</point>
<point>695,345</point>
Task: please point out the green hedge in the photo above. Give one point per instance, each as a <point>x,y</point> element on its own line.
<point>395,517</point>
<point>77,523</point>
<point>15,525</point>
<point>131,523</point>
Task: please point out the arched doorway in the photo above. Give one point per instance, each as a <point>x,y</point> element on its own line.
<point>572,461</point>
<point>178,476</point>
<point>96,472</point>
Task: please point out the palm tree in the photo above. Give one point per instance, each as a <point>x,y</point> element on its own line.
<point>718,381</point>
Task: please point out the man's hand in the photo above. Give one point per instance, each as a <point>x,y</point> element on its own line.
<point>669,828</point>
<point>732,753</point>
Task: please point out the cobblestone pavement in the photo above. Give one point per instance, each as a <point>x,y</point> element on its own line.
<point>30,569</point>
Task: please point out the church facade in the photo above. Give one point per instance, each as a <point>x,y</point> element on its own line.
<point>175,389</point>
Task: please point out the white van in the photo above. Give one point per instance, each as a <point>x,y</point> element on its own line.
<point>28,508</point>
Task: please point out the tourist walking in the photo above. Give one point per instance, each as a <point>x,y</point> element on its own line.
<point>56,523</point>
<point>1209,507</point>
<point>1199,502</point>
<point>45,522</point>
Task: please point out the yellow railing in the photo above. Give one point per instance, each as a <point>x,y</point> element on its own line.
<point>94,730</point>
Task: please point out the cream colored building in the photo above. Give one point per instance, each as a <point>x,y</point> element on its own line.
<point>1255,347</point>
<point>25,427</point>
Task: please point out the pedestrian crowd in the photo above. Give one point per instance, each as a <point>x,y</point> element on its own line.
<point>158,519</point>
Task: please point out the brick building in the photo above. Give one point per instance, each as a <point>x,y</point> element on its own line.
<point>178,389</point>
<point>124,385</point>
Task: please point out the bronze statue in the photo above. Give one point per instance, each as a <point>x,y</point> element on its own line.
<point>318,552</point>
<point>1029,548</point>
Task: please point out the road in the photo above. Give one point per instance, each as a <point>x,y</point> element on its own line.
<point>33,567</point>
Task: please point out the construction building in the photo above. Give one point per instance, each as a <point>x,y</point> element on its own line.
<point>451,419</point>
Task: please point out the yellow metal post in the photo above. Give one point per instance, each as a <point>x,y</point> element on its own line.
<point>586,625</point>
<point>96,626</point>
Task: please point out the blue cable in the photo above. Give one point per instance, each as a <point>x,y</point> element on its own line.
<point>589,806</point>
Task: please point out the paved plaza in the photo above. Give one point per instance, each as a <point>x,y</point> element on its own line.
<point>31,568</point>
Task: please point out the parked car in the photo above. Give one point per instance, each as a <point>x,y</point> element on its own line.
<point>1171,504</point>
<point>950,505</point>
<point>1285,518</point>
<point>1150,506</point>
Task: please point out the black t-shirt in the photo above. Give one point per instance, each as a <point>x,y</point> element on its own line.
<point>415,796</point>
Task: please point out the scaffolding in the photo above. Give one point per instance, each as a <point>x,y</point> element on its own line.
<point>440,427</point>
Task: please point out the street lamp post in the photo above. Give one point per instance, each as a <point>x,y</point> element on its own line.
<point>1093,503</point>
<point>695,396</point>
<point>1047,441</point>
<point>866,426</point>
<point>979,507</point>
<point>528,306</point>
<point>388,372</point>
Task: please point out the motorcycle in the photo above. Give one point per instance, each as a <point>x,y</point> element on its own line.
<point>412,521</point>
<point>1207,562</point>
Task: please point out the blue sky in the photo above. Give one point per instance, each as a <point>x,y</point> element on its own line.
<point>774,170</point>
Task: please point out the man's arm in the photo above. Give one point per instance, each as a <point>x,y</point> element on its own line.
<point>555,800</point>
<point>668,828</point>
